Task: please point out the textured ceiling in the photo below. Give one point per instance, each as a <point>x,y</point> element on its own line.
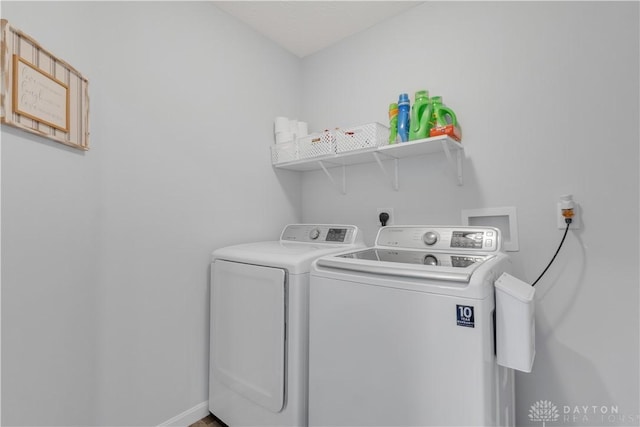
<point>305,27</point>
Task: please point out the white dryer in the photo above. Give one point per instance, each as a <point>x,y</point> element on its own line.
<point>402,334</point>
<point>259,324</point>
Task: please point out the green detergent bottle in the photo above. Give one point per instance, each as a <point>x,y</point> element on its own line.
<point>442,115</point>
<point>420,114</point>
<point>436,102</point>
<point>393,122</point>
<point>443,120</point>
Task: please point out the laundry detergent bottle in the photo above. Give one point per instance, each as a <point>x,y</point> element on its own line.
<point>443,115</point>
<point>393,122</point>
<point>403,117</point>
<point>436,102</point>
<point>420,115</point>
<point>443,120</point>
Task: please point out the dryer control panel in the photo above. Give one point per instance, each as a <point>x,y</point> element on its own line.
<point>450,238</point>
<point>320,233</point>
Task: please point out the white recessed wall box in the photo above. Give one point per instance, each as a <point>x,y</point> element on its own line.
<point>503,218</point>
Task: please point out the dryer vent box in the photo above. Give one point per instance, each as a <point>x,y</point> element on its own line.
<point>515,323</point>
<point>503,218</point>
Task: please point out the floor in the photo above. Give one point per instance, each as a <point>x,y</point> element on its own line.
<point>208,421</point>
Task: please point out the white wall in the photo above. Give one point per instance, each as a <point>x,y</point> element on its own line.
<point>547,94</point>
<point>106,253</point>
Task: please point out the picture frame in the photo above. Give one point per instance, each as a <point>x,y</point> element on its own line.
<point>40,93</point>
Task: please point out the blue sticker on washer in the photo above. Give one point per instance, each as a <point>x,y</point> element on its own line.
<point>464,316</point>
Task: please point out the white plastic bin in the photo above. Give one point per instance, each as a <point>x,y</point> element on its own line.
<point>316,145</point>
<point>284,152</point>
<point>371,135</point>
<point>515,323</point>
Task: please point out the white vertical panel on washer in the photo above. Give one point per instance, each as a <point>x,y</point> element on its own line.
<point>248,331</point>
<point>384,356</point>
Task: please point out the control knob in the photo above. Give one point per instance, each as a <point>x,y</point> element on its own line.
<point>430,260</point>
<point>314,234</point>
<point>430,238</point>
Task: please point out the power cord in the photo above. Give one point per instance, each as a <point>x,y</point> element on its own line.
<point>568,215</point>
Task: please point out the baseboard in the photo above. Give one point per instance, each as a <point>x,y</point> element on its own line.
<point>189,416</point>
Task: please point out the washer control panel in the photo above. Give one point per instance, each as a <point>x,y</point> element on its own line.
<point>320,233</point>
<point>463,239</point>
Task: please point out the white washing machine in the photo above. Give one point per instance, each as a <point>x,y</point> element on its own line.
<point>259,324</point>
<point>402,334</point>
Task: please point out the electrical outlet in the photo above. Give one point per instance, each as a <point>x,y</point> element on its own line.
<point>387,210</point>
<point>564,203</point>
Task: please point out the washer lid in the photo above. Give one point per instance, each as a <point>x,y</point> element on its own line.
<point>456,267</point>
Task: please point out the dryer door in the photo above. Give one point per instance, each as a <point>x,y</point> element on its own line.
<point>248,331</point>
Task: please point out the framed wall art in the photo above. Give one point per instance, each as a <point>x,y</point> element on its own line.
<point>41,93</point>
